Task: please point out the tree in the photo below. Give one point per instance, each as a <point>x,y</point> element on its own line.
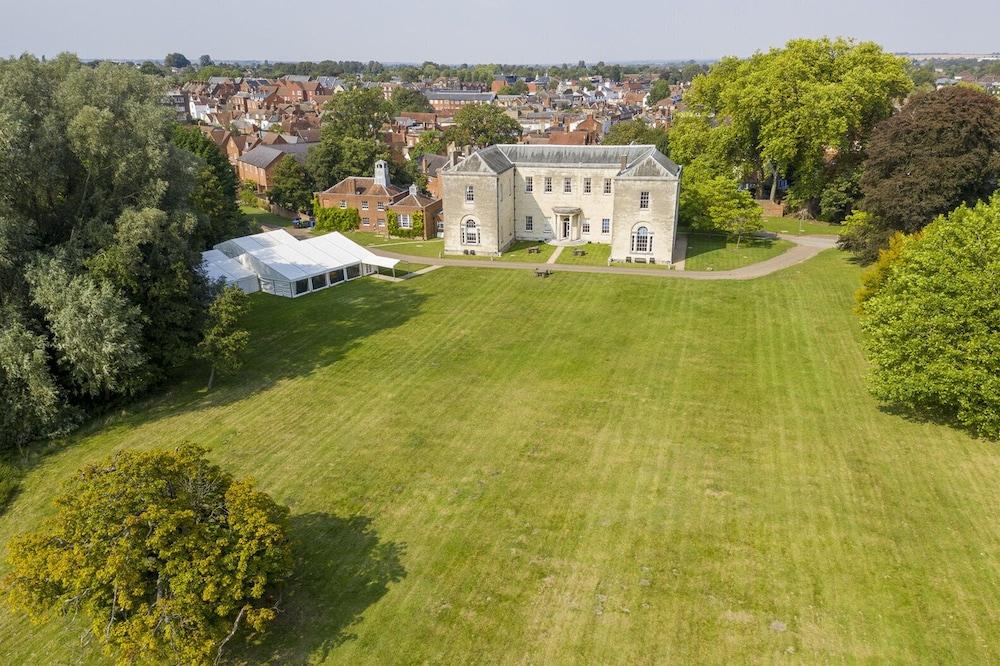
<point>95,330</point>
<point>205,61</point>
<point>291,187</point>
<point>483,125</point>
<point>150,68</point>
<point>359,113</point>
<point>224,341</point>
<point>99,242</point>
<point>176,60</point>
<point>358,156</point>
<point>408,99</point>
<point>715,203</point>
<point>638,132</point>
<point>803,111</point>
<point>659,90</point>
<point>930,313</point>
<point>519,87</point>
<point>166,555</point>
<point>430,142</point>
<point>214,196</point>
<point>941,150</point>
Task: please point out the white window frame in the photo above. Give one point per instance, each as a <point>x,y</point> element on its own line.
<point>642,241</point>
<point>529,184</point>
<point>585,227</point>
<point>470,232</point>
<point>567,186</point>
<point>364,205</point>
<point>470,194</point>
<point>587,185</point>
<point>405,221</point>
<point>548,183</point>
<point>607,186</point>
<point>529,223</point>
<point>606,225</point>
<point>343,203</point>
<point>643,200</point>
<point>380,205</point>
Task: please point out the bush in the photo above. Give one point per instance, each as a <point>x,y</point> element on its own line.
<point>415,231</point>
<point>931,317</point>
<point>336,219</point>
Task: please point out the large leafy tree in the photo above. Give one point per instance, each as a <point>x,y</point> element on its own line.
<point>291,186</point>
<point>803,111</point>
<point>99,241</point>
<point>408,99</point>
<point>930,311</point>
<point>214,196</point>
<point>637,131</point>
<point>941,150</point>
<point>483,125</point>
<point>165,555</point>
<point>358,113</point>
<point>659,90</point>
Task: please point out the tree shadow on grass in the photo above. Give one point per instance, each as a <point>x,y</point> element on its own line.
<point>342,567</point>
<point>927,416</point>
<point>703,243</point>
<point>288,338</point>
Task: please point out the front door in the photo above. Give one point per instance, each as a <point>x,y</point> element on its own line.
<point>565,223</point>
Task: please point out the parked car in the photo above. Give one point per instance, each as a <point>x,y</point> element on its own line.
<point>303,223</point>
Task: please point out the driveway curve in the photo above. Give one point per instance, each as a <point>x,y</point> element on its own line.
<point>806,247</point>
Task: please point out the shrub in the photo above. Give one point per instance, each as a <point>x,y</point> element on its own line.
<point>930,311</point>
<point>336,219</point>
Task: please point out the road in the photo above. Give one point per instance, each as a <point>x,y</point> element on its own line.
<point>806,247</point>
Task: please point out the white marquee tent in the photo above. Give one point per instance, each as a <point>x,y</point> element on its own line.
<point>290,267</point>
<point>218,266</point>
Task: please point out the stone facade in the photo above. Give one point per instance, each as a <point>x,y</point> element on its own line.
<point>623,196</point>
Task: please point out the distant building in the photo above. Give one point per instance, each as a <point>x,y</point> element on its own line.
<point>447,102</point>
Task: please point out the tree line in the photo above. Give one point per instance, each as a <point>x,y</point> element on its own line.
<point>104,209</point>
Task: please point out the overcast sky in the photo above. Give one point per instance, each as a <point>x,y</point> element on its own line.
<point>457,31</point>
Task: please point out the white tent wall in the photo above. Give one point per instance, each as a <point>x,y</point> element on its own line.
<point>291,268</point>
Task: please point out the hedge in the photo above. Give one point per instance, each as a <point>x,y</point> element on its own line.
<point>336,219</point>
<point>416,231</point>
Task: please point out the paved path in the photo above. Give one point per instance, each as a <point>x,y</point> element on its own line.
<point>806,247</point>
<point>555,255</point>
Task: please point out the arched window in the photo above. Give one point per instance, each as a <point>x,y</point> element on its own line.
<point>470,232</point>
<point>642,240</point>
<point>470,193</point>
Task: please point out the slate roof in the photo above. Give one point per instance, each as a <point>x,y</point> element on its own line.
<point>640,160</point>
<point>263,156</point>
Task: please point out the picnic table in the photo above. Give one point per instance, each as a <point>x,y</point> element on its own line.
<point>542,272</point>
<point>579,253</point>
<point>534,249</point>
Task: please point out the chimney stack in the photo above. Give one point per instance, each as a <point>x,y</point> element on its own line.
<point>413,189</point>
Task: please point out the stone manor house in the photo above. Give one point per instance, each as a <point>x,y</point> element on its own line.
<point>624,196</point>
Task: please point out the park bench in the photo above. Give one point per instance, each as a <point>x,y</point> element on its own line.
<point>542,272</point>
<point>579,253</point>
<point>534,249</point>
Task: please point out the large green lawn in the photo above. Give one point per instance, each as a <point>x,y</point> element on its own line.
<point>485,467</point>
<point>422,248</point>
<point>716,252</point>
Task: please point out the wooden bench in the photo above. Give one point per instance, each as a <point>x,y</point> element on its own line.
<point>579,253</point>
<point>542,272</point>
<point>534,249</point>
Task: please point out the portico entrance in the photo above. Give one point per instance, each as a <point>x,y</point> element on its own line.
<point>567,225</point>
